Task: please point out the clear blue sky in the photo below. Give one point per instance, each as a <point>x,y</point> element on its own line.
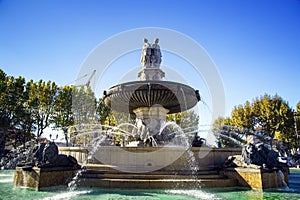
<point>255,44</point>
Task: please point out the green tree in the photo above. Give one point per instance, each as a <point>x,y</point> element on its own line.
<point>62,116</point>
<point>84,105</point>
<point>12,110</point>
<point>297,126</point>
<point>117,118</point>
<point>186,119</point>
<point>220,122</point>
<point>4,113</point>
<point>27,123</point>
<point>17,100</point>
<point>270,113</point>
<point>102,111</point>
<point>274,115</point>
<point>226,134</point>
<point>242,116</point>
<point>41,98</point>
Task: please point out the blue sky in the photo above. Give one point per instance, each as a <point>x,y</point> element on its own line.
<point>255,44</point>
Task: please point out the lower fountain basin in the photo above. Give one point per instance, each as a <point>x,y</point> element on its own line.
<point>145,159</point>
<point>179,174</point>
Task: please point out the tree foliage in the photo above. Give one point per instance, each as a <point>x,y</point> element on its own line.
<point>12,98</point>
<point>275,116</point>
<point>103,111</point>
<point>30,107</point>
<point>62,116</point>
<point>297,124</point>
<point>84,105</point>
<point>226,134</point>
<point>186,119</point>
<point>41,97</point>
<point>25,108</point>
<point>270,113</point>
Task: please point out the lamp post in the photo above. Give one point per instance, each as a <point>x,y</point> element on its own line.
<point>53,138</point>
<point>296,128</point>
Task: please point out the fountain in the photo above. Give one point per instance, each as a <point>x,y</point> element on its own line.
<point>155,154</point>
<point>151,160</point>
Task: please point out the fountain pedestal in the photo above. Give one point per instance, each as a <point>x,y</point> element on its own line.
<point>37,178</point>
<point>258,178</point>
<point>151,74</point>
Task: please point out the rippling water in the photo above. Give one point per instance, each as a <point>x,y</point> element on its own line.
<point>62,193</point>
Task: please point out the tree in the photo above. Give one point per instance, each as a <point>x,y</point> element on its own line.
<point>26,121</point>
<point>62,116</point>
<point>275,116</point>
<point>103,111</point>
<point>11,109</point>
<point>242,116</point>
<point>186,119</point>
<point>270,113</point>
<point>84,105</point>
<point>17,99</point>
<point>3,111</point>
<point>84,111</point>
<point>41,98</point>
<point>226,134</point>
<point>220,122</point>
<point>297,125</point>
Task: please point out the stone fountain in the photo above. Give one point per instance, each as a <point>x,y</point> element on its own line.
<point>151,98</point>
<point>149,163</point>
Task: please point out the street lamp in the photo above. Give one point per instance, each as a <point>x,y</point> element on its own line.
<point>53,138</point>
<point>296,128</point>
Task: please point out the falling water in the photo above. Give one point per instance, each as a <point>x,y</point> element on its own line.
<point>127,124</point>
<point>206,105</point>
<point>73,183</point>
<point>231,139</point>
<point>184,99</point>
<point>24,178</point>
<point>192,163</point>
<point>96,143</point>
<point>167,124</point>
<point>281,175</point>
<point>182,137</point>
<point>103,130</point>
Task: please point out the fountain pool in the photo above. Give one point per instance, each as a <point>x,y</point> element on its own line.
<point>7,191</point>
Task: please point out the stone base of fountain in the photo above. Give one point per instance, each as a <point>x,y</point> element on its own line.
<point>104,176</point>
<point>142,176</point>
<point>165,168</point>
<point>144,159</point>
<point>124,171</point>
<point>37,178</point>
<point>258,178</point>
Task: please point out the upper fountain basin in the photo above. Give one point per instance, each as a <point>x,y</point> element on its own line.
<point>126,97</point>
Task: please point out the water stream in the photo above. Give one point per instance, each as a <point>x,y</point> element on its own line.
<point>73,183</point>
<point>281,175</point>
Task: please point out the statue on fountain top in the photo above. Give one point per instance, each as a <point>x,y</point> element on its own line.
<point>151,54</point>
